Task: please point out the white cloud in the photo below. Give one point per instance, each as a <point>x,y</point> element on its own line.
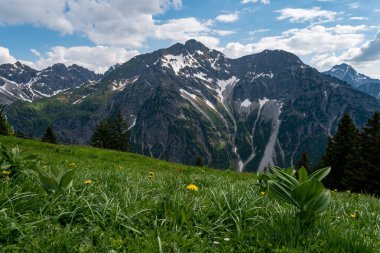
<point>224,32</point>
<point>255,1</point>
<point>370,51</point>
<point>258,31</point>
<point>98,58</point>
<point>5,56</point>
<point>358,18</point>
<point>228,18</point>
<point>315,14</point>
<point>362,56</point>
<point>236,49</point>
<point>304,42</point>
<point>37,12</point>
<point>181,30</point>
<point>118,23</point>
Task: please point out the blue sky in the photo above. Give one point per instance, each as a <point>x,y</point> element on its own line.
<point>101,33</point>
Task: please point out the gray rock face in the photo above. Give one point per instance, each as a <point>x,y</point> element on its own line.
<point>20,82</point>
<point>362,82</point>
<point>187,101</point>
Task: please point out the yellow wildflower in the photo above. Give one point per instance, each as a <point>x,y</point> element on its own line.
<point>353,215</point>
<point>151,174</point>
<point>6,173</point>
<point>192,187</point>
<point>150,177</point>
<point>263,193</point>
<point>88,181</point>
<point>72,164</point>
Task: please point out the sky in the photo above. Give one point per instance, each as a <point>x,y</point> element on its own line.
<point>100,33</point>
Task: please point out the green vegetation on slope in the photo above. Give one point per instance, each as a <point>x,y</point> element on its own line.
<point>123,202</point>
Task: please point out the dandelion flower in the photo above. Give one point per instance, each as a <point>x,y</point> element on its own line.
<point>150,176</point>
<point>263,193</point>
<point>192,187</point>
<point>6,173</point>
<point>88,182</point>
<point>353,215</point>
<point>151,173</point>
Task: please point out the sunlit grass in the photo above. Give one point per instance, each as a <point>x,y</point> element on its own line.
<point>124,202</point>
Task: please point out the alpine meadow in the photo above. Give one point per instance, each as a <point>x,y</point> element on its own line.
<point>190,126</point>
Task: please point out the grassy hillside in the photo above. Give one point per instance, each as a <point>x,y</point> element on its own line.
<point>138,204</point>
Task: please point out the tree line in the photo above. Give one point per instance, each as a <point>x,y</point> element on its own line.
<point>110,134</point>
<point>353,154</point>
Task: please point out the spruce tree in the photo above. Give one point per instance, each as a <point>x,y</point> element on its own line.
<point>49,136</point>
<point>339,149</point>
<point>5,127</point>
<point>304,162</point>
<point>370,154</point>
<point>101,136</point>
<point>119,133</point>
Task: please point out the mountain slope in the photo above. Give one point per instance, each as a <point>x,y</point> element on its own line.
<point>187,101</point>
<point>20,82</point>
<point>362,82</point>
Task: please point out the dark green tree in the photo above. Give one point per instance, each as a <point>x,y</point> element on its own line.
<point>112,134</point>
<point>304,161</point>
<point>119,133</point>
<point>198,161</point>
<point>49,136</point>
<point>369,150</point>
<point>102,135</point>
<point>5,127</point>
<point>342,147</point>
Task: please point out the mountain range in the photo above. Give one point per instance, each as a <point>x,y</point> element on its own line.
<point>189,101</point>
<point>20,82</point>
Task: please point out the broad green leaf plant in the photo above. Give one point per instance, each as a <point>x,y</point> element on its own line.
<point>307,193</point>
<point>57,180</point>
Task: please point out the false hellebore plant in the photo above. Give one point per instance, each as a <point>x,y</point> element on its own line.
<point>307,193</point>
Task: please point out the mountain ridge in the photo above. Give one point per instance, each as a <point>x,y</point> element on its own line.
<point>21,82</point>
<point>187,101</point>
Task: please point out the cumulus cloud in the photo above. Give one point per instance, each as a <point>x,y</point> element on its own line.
<point>237,49</point>
<point>5,56</point>
<point>119,23</point>
<point>228,18</point>
<point>366,55</point>
<point>308,41</point>
<point>255,1</point>
<point>181,30</point>
<point>98,58</point>
<point>370,51</point>
<point>315,14</point>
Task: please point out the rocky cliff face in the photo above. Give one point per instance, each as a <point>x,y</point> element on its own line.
<point>187,101</point>
<point>20,82</point>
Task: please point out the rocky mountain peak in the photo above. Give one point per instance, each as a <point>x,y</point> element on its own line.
<point>362,82</point>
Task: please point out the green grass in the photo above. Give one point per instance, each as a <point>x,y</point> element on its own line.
<point>125,211</point>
